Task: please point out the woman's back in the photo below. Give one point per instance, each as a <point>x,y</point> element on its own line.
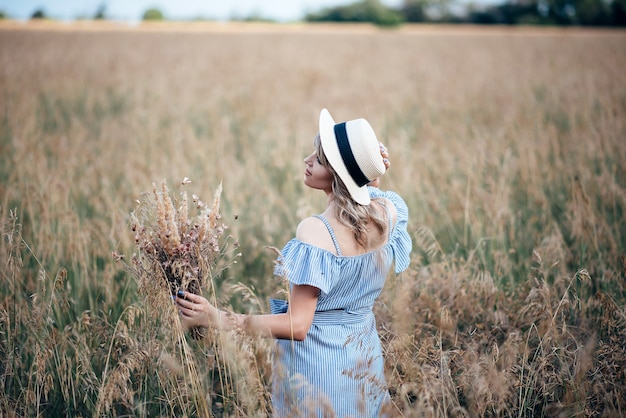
<point>313,231</point>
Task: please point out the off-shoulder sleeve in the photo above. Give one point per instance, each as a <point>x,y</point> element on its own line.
<point>305,264</point>
<point>400,239</point>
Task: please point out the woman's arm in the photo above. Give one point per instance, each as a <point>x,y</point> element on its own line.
<point>195,310</point>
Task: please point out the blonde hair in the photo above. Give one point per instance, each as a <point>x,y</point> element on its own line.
<point>348,211</point>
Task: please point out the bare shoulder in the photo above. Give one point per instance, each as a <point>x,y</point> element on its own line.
<point>313,231</point>
<point>309,229</point>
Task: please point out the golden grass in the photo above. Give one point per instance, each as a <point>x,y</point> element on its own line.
<point>507,144</point>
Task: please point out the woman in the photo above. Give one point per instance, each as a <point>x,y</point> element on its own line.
<point>329,358</point>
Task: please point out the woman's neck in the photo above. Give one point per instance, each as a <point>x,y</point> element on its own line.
<point>330,199</point>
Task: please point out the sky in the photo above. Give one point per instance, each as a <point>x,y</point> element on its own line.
<point>132,10</point>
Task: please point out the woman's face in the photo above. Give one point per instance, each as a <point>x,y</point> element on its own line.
<point>316,175</point>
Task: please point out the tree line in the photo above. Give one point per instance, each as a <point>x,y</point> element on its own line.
<point>608,13</point>
<point>509,12</point>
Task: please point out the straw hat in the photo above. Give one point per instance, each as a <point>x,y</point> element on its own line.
<point>353,151</point>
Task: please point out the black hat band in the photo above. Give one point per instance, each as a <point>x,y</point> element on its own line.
<point>348,157</point>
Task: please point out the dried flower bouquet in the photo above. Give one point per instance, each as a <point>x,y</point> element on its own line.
<point>176,249</point>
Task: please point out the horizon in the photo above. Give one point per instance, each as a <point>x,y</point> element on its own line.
<point>132,11</point>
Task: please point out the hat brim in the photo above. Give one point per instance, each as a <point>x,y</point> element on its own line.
<point>329,144</point>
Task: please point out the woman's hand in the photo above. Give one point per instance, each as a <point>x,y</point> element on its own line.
<point>385,154</point>
<point>195,310</point>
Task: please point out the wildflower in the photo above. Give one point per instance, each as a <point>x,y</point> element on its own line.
<point>117,256</point>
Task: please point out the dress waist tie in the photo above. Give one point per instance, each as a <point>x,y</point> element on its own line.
<point>330,317</point>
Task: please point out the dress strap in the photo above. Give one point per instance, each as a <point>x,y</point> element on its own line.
<point>332,233</point>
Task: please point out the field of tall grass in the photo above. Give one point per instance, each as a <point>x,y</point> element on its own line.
<point>508,145</point>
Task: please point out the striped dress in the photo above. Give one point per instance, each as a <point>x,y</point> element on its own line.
<point>338,369</point>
